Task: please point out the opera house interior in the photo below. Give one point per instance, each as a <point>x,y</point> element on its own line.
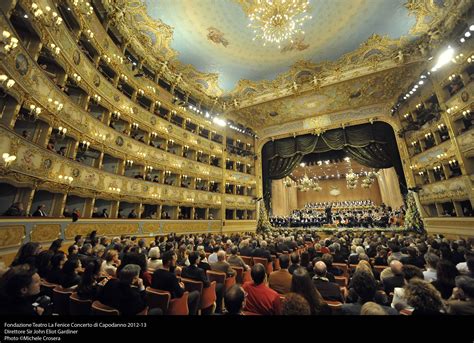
<point>236,157</point>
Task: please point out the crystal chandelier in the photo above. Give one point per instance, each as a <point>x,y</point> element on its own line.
<point>351,179</point>
<point>275,21</point>
<point>369,179</point>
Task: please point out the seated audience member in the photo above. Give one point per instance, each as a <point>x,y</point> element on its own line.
<point>328,290</point>
<point>70,273</point>
<point>381,258</point>
<point>203,264</point>
<point>56,265</point>
<point>193,272</point>
<point>234,300</point>
<point>280,280</point>
<point>372,309</point>
<point>333,271</point>
<point>18,288</point>
<point>40,211</point>
<point>88,287</point>
<point>295,262</point>
<point>301,284</point>
<point>260,298</point>
<point>73,250</point>
<point>446,273</point>
<point>43,263</point>
<point>423,297</point>
<point>389,283</point>
<point>461,301</point>
<point>245,248</point>
<point>154,261</point>
<point>222,265</point>
<point>398,301</point>
<point>236,260</point>
<point>132,214</point>
<point>165,280</point>
<point>27,254</point>
<point>462,267</point>
<point>111,263</point>
<point>213,257</point>
<point>365,287</point>
<point>432,261</point>
<point>15,210</point>
<point>295,305</point>
<point>412,258</point>
<point>127,293</point>
<point>262,251</point>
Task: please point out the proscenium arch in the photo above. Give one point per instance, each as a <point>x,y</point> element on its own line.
<point>374,144</point>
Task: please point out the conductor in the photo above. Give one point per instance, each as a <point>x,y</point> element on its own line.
<point>328,214</point>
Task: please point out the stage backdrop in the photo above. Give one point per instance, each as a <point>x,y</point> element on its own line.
<point>385,189</point>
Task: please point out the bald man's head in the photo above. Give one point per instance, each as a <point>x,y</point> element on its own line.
<point>320,268</point>
<point>221,255</point>
<point>396,267</point>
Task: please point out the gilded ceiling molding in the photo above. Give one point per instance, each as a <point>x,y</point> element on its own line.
<point>148,34</point>
<point>377,88</point>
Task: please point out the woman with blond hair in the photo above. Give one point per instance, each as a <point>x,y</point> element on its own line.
<point>372,309</point>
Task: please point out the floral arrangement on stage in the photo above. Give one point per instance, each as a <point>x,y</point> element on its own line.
<point>413,219</point>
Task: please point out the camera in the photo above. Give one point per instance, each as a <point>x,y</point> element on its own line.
<point>45,302</point>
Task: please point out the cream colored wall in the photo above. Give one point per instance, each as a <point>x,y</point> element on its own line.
<point>372,193</point>
<point>284,199</point>
<point>389,188</point>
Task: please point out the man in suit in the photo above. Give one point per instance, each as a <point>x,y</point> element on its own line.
<point>280,280</point>
<point>222,265</point>
<point>263,252</point>
<point>329,290</point>
<point>397,280</point>
<point>193,272</point>
<point>40,211</point>
<point>126,293</point>
<point>165,280</point>
<point>462,299</point>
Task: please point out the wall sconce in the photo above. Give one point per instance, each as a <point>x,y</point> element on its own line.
<point>158,104</point>
<point>7,43</point>
<point>106,58</point>
<point>170,142</point>
<point>34,111</point>
<point>55,105</point>
<point>173,112</point>
<point>83,6</point>
<point>441,127</point>
<point>419,106</point>
<point>441,156</point>
<point>453,163</point>
<point>153,134</point>
<point>66,179</point>
<point>84,145</point>
<point>123,77</point>
<point>152,89</point>
<point>141,92</point>
<point>116,115</point>
<point>114,189</point>
<point>5,81</point>
<point>8,159</point>
<point>76,78</point>
<point>135,126</point>
<point>96,98</point>
<point>129,163</point>
<point>56,50</point>
<point>148,169</point>
<point>470,59</point>
<point>406,115</point>
<point>428,135</point>
<point>100,136</point>
<point>466,113</point>
<point>61,133</point>
<point>437,168</point>
<point>452,77</point>
<point>37,12</point>
<point>89,34</point>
